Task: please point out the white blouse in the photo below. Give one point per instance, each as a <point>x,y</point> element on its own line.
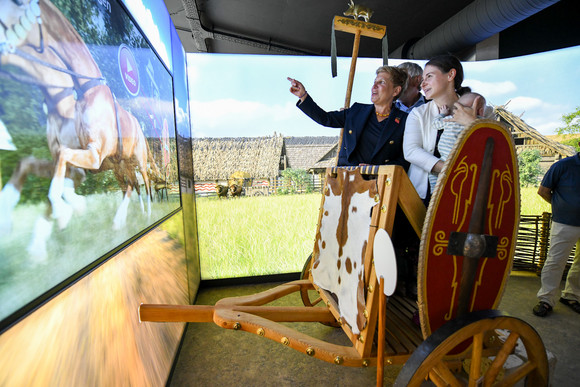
<point>419,145</point>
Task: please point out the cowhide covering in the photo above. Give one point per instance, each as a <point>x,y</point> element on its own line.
<point>341,242</point>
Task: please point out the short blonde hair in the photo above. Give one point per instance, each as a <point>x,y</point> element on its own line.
<point>398,76</point>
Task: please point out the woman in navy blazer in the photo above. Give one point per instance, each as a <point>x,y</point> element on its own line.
<point>373,133</point>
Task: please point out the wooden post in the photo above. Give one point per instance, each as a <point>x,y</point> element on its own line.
<point>352,68</point>
<point>350,83</point>
<point>544,241</point>
<point>357,28</point>
<point>381,338</point>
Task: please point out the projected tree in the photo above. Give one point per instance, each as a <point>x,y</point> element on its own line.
<point>572,128</point>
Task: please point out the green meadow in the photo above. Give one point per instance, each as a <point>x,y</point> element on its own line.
<point>532,203</point>
<point>252,236</point>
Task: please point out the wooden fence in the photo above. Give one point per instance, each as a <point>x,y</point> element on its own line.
<point>533,243</point>
<point>260,187</point>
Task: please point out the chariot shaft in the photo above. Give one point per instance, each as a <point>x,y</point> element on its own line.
<point>176,313</point>
<point>205,313</point>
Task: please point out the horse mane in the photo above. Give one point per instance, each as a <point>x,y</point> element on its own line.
<point>75,52</point>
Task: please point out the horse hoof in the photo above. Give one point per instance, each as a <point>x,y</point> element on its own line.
<point>118,225</point>
<point>37,254</point>
<point>64,216</point>
<point>78,203</point>
<point>37,247</point>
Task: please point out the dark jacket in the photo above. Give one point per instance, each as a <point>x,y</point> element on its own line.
<point>389,150</point>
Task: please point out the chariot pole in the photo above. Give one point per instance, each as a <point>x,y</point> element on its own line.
<point>375,31</point>
<point>358,28</point>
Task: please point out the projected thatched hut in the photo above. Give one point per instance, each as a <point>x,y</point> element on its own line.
<point>259,159</point>
<point>313,154</point>
<point>215,160</point>
<point>526,137</point>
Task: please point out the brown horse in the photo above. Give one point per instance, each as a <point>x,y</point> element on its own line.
<point>86,128</point>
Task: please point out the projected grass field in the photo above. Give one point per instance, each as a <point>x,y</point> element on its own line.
<point>253,236</point>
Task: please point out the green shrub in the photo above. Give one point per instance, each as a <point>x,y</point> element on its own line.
<point>529,166</point>
<point>295,181</point>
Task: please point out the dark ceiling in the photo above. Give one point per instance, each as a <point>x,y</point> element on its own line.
<point>416,29</point>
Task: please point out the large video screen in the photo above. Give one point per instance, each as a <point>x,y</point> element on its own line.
<point>90,334</point>
<point>88,155</point>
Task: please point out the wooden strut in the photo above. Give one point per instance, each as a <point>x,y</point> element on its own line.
<point>251,314</point>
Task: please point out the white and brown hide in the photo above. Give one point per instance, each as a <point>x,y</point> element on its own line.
<point>341,242</point>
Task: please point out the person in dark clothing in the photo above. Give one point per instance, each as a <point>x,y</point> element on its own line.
<point>561,188</point>
<point>373,133</point>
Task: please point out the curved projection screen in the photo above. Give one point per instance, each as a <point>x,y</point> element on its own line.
<point>246,122</point>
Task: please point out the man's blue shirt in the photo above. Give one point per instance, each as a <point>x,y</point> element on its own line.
<point>402,107</point>
<point>563,178</point>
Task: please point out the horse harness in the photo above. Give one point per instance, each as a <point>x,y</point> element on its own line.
<point>17,33</point>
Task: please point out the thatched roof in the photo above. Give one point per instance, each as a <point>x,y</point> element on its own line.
<point>564,137</point>
<point>218,158</point>
<point>328,160</point>
<point>310,152</point>
<point>530,138</point>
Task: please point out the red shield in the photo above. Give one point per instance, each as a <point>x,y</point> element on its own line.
<point>451,207</point>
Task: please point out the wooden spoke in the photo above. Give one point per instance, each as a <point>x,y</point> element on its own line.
<point>436,379</point>
<point>476,348</point>
<point>443,372</point>
<point>428,360</point>
<point>520,373</point>
<point>501,358</point>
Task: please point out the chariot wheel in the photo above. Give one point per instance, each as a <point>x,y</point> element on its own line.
<point>432,360</point>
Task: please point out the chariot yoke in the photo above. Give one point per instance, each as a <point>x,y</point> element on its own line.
<point>468,237</point>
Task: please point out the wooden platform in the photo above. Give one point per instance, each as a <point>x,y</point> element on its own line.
<point>403,335</point>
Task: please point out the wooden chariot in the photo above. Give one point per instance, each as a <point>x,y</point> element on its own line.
<point>467,243</point>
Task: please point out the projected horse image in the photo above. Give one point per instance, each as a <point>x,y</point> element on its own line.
<point>87,129</point>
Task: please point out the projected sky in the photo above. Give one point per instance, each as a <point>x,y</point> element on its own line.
<point>247,95</point>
